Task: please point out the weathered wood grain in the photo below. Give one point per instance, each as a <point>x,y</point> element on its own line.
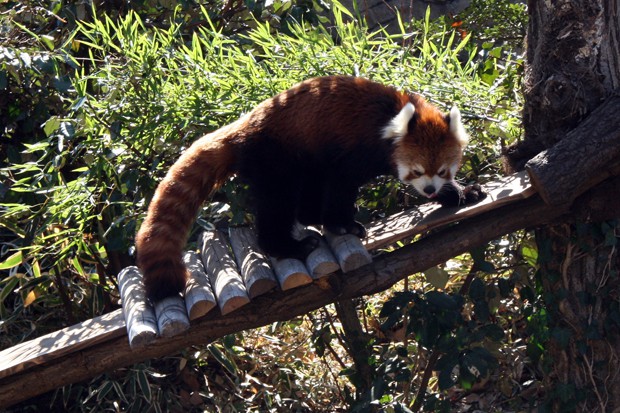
<point>321,261</point>
<point>587,155</point>
<point>171,316</point>
<point>349,251</point>
<point>396,227</point>
<point>226,281</point>
<point>253,264</point>
<point>291,272</point>
<point>199,297</point>
<point>65,341</point>
<point>139,314</point>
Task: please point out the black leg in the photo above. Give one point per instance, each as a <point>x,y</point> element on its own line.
<point>339,208</point>
<point>276,206</point>
<point>310,206</point>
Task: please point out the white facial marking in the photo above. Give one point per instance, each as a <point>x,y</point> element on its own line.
<point>453,169</point>
<point>397,127</point>
<point>403,171</point>
<point>456,126</point>
<point>426,182</point>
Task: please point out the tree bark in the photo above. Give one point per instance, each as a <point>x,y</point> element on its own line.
<point>573,66</point>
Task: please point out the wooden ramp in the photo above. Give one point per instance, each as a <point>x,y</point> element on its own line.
<point>237,275</point>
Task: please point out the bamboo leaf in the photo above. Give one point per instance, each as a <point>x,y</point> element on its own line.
<point>12,261</point>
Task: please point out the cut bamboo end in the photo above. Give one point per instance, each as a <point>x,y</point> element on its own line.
<point>220,267</point>
<point>260,287</point>
<point>234,303</point>
<point>322,262</point>
<point>140,318</point>
<point>200,309</point>
<point>171,316</point>
<point>349,251</point>
<point>253,264</point>
<point>199,297</point>
<point>295,280</point>
<point>291,273</point>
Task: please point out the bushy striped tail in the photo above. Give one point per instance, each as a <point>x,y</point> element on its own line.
<point>179,196</point>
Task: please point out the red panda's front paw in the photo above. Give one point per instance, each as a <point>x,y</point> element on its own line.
<point>354,228</point>
<point>473,194</point>
<point>452,195</point>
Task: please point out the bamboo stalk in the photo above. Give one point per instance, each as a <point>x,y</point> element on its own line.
<point>253,264</point>
<point>139,314</point>
<point>225,279</point>
<point>199,297</point>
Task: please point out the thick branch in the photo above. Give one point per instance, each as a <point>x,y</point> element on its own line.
<point>586,156</point>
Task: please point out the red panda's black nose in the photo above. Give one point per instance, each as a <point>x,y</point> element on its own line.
<point>429,190</point>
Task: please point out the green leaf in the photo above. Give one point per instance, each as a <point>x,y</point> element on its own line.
<point>11,283</point>
<point>494,332</point>
<point>226,362</point>
<point>48,41</point>
<point>51,126</point>
<point>103,390</point>
<point>530,254</point>
<point>437,277</point>
<point>505,287</point>
<point>143,382</point>
<point>12,261</point>
<point>445,380</point>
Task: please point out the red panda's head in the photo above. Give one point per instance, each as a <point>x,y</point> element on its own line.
<point>428,145</point>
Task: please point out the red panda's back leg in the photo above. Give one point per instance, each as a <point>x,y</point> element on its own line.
<point>275,181</point>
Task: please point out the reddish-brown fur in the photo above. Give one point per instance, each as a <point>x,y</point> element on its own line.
<point>432,145</point>
<point>160,241</point>
<point>333,112</point>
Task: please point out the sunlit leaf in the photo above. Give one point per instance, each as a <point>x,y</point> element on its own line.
<point>12,261</point>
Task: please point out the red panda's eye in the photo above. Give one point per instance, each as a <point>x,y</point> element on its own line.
<point>416,173</point>
<point>442,172</point>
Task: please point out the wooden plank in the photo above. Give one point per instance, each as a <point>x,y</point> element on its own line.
<point>171,316</point>
<point>253,264</point>
<point>199,296</point>
<point>139,314</point>
<point>586,156</point>
<point>226,281</point>
<point>396,227</point>
<point>62,342</point>
<point>291,272</point>
<point>320,262</point>
<point>349,251</point>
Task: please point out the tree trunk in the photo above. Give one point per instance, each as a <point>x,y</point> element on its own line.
<point>573,65</point>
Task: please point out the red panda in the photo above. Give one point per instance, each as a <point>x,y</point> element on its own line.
<point>304,154</point>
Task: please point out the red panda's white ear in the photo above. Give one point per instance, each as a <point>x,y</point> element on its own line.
<point>397,127</point>
<point>456,126</point>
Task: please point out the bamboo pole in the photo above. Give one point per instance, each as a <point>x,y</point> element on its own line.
<point>222,271</point>
<point>139,314</point>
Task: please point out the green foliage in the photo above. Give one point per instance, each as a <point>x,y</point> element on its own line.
<point>500,22</point>
<point>98,108</point>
